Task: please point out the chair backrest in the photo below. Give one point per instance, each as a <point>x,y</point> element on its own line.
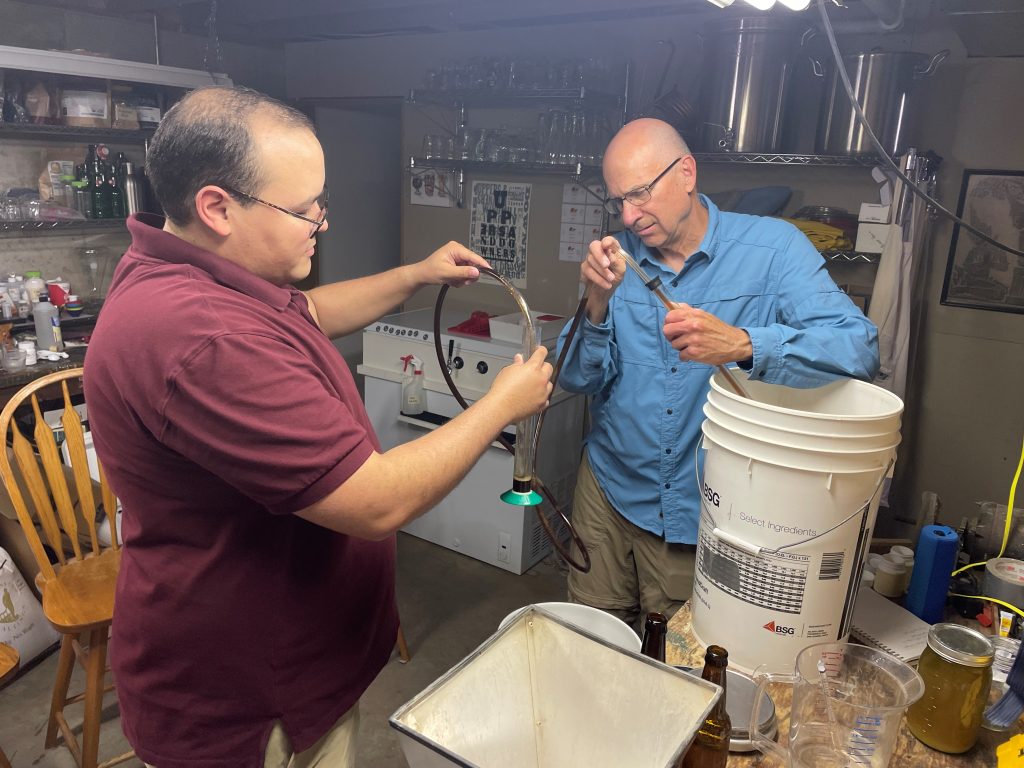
<point>54,505</point>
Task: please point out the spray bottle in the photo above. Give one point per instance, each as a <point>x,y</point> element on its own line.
<point>414,398</point>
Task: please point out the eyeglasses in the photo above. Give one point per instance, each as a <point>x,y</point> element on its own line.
<point>637,196</point>
<point>321,203</point>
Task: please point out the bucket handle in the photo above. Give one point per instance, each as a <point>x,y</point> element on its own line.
<point>754,549</point>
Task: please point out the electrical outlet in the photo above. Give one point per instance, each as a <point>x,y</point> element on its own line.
<point>504,545</point>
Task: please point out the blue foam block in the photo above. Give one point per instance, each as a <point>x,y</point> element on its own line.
<point>934,560</point>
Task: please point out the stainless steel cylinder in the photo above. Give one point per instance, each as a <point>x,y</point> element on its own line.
<point>747,66</point>
<point>884,84</point>
<point>133,202</point>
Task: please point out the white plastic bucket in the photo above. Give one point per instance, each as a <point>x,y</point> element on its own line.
<point>789,497</point>
<point>846,408</point>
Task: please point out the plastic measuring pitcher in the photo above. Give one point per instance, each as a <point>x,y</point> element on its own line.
<point>847,714</point>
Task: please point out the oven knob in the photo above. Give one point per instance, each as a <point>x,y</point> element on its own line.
<point>481,367</point>
<point>457,363</point>
<point>377,329</point>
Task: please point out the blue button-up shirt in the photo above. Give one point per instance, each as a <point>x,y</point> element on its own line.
<point>757,273</point>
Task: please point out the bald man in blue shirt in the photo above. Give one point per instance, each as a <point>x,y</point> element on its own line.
<point>751,290</point>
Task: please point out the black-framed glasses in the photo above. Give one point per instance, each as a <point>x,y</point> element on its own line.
<point>321,203</point>
<point>639,195</point>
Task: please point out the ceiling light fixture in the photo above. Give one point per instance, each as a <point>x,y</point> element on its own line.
<point>722,3</point>
<point>761,5</point>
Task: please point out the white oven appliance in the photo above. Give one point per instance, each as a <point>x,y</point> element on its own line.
<point>471,519</point>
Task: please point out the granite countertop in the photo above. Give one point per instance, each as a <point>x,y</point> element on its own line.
<point>73,329</point>
<point>18,379</point>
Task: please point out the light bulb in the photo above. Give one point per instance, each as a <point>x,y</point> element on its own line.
<point>722,3</point>
<point>796,5</point>
<point>761,5</point>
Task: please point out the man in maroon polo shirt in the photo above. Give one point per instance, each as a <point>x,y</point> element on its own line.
<point>255,601</point>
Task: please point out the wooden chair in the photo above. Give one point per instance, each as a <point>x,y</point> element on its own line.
<point>78,592</point>
<point>9,660</point>
<point>403,647</point>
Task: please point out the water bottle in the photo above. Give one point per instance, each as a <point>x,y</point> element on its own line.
<point>47,320</point>
<point>132,191</point>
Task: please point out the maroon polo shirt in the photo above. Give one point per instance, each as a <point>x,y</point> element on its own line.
<point>219,409</point>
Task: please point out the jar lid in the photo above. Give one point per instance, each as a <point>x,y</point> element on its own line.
<point>30,273</point>
<point>961,645</point>
<point>888,566</point>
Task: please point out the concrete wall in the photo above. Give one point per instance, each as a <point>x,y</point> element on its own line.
<point>365,178</point>
<point>971,372</point>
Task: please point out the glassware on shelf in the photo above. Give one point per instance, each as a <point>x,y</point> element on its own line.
<point>558,137</point>
<point>96,263</point>
<point>465,143</point>
<point>431,146</point>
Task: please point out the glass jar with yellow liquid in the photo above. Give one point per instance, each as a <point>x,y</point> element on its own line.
<point>957,671</point>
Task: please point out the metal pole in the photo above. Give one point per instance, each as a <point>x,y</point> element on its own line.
<point>156,38</point>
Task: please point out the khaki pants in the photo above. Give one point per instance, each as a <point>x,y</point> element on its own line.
<point>335,749</point>
<point>632,571</point>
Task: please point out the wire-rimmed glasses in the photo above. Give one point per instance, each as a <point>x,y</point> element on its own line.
<point>321,203</point>
<point>639,195</point>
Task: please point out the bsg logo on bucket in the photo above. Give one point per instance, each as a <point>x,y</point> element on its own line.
<point>780,629</point>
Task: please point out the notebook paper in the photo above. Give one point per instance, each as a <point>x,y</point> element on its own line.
<point>879,622</point>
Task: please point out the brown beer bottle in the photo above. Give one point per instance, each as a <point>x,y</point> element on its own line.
<point>653,645</point>
<point>710,747</point>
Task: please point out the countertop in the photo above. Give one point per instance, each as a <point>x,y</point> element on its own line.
<point>683,649</point>
<point>73,329</point>
<point>18,379</point>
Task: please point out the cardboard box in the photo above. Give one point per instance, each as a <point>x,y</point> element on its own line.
<point>874,213</point>
<point>871,237</point>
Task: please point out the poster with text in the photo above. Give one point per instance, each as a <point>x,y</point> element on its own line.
<point>498,224</point>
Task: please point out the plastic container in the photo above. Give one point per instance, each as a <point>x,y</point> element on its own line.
<point>790,494</point>
<point>414,399</point>
<point>47,320</point>
<point>542,693</point>
<point>35,286</point>
<point>30,351</point>
<point>889,578</point>
<point>14,359</point>
<point>74,306</point>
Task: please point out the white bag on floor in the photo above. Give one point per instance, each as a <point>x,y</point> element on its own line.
<point>22,624</point>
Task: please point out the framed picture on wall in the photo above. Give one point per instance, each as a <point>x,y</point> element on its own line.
<point>978,274</point>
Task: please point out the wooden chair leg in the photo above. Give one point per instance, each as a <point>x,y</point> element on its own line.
<point>95,665</point>
<point>4,762</point>
<point>403,649</point>
<point>65,666</point>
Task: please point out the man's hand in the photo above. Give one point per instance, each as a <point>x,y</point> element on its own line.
<point>702,337</point>
<point>523,387</point>
<point>452,264</point>
<point>601,273</point>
